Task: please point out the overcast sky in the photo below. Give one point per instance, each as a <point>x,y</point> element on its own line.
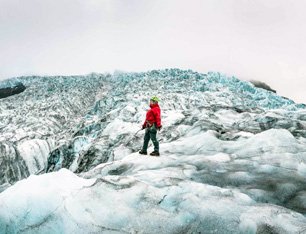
<point>251,39</point>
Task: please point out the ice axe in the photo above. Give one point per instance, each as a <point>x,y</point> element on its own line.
<point>137,132</point>
<point>132,138</point>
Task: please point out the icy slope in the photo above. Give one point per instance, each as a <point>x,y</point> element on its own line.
<point>189,99</point>
<point>35,122</point>
<point>227,149</point>
<point>142,194</point>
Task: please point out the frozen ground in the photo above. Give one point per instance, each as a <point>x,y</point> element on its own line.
<point>233,158</point>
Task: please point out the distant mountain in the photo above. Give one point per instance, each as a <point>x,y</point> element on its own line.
<point>11,90</point>
<point>260,84</point>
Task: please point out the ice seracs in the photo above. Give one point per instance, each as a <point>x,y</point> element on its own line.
<point>232,156</point>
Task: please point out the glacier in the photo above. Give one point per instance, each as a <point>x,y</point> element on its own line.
<point>233,156</point>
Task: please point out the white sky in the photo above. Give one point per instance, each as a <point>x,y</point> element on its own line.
<point>251,39</point>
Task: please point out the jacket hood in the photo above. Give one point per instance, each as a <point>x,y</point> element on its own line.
<point>154,105</point>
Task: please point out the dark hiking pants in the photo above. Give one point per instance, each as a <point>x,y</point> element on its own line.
<point>150,134</point>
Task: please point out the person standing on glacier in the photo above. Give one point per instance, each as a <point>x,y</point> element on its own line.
<point>152,123</point>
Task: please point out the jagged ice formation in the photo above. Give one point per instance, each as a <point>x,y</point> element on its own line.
<point>233,156</point>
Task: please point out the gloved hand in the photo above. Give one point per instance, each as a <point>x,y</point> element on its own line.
<point>159,128</point>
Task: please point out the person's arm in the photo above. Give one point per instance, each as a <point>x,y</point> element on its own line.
<point>157,118</point>
<point>145,122</point>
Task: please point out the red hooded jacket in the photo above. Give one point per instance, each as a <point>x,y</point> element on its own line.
<point>153,116</point>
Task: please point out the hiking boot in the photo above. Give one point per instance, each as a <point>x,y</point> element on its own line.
<point>154,153</point>
<point>143,152</point>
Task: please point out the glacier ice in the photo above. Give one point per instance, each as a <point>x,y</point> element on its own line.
<point>34,123</point>
<point>233,156</point>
